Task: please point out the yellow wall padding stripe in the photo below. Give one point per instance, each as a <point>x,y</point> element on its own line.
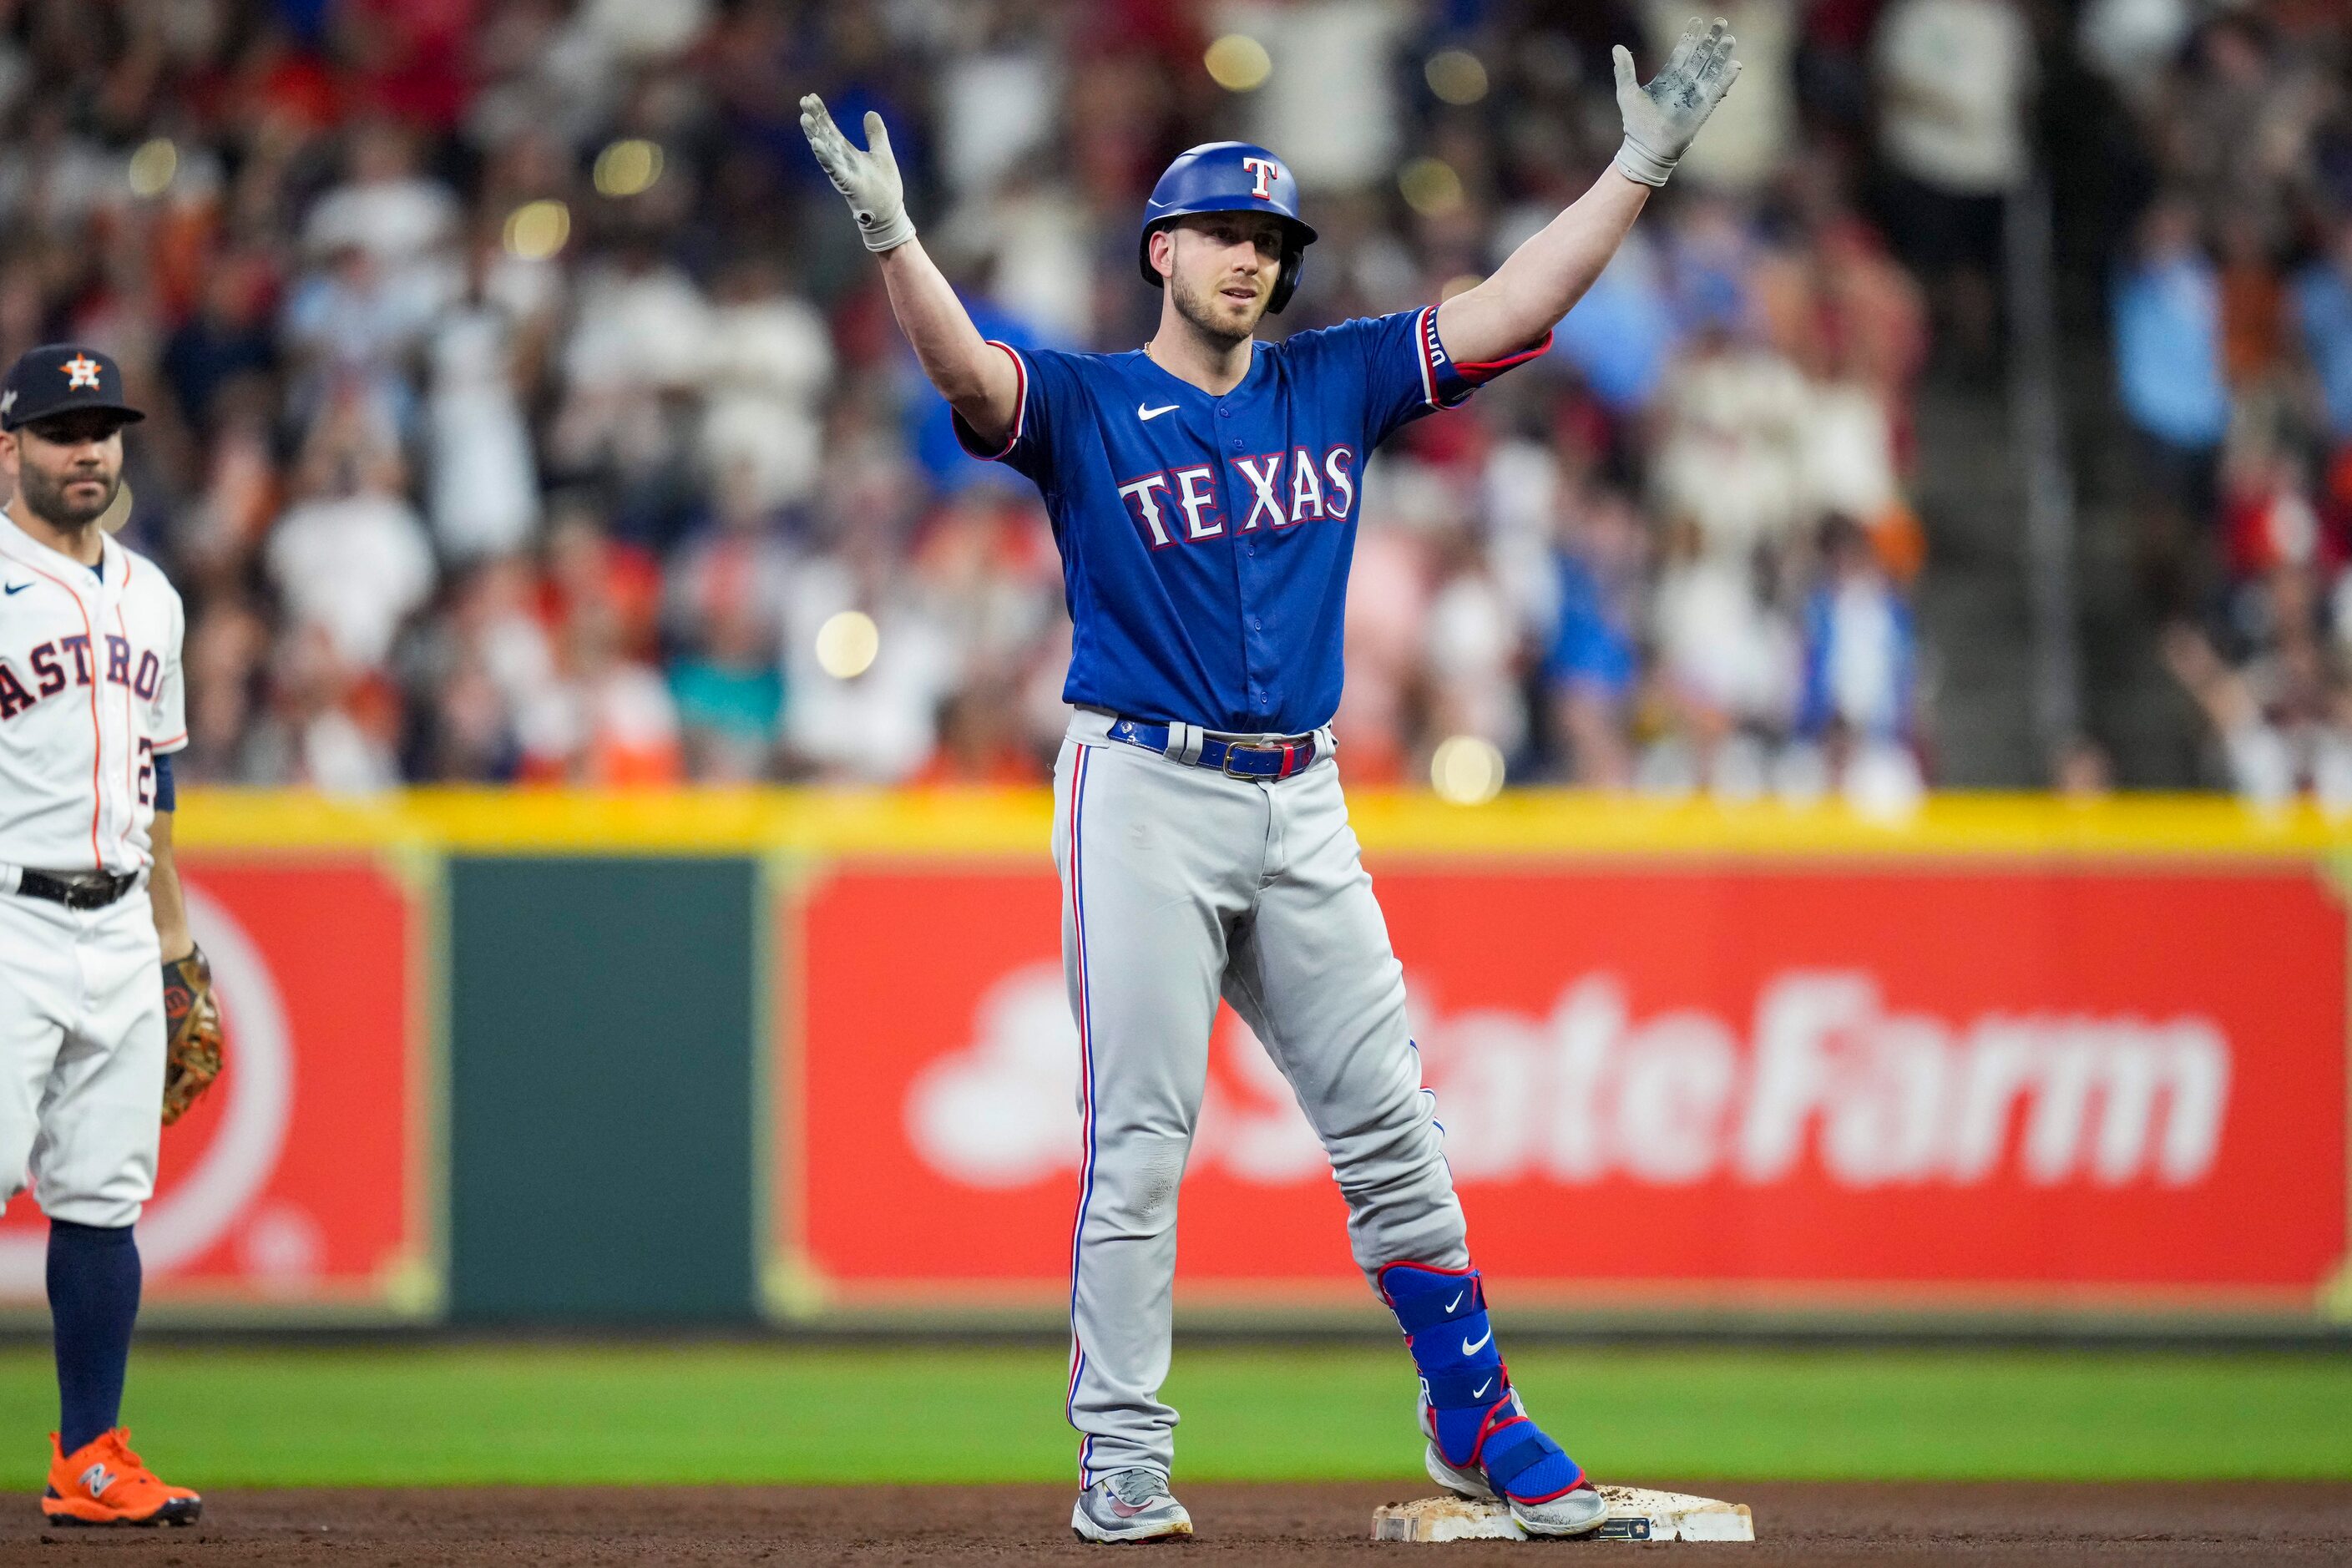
<point>1391,822</point>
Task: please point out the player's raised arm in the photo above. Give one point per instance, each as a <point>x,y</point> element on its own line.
<point>1535,288</point>
<point>980,382</point>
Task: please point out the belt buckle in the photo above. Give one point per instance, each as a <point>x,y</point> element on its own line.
<point>1285,754</point>
<point>1234,749</point>
<point>82,894</point>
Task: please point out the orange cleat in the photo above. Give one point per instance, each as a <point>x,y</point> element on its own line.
<point>103,1482</point>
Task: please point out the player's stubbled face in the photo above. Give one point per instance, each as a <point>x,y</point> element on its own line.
<point>1222,271</point>
<point>67,467</point>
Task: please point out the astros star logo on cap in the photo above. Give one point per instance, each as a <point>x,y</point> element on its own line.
<point>82,370</point>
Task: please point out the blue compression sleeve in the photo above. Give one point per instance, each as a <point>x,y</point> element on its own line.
<point>166,798</point>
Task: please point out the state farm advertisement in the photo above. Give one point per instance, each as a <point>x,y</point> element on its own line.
<point>298,1185</point>
<point>1878,1084</point>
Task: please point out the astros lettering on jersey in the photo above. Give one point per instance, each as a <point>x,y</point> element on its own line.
<point>90,693</point>
<point>1182,515</point>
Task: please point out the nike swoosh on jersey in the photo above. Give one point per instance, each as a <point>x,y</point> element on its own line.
<point>15,588</point>
<point>1472,1347</point>
<point>1148,413</point>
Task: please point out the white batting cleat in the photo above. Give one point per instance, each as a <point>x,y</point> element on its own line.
<point>1130,1506</point>
<point>1579,1510</point>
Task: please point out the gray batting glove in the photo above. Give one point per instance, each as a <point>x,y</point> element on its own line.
<point>1662,119</point>
<point>869,179</point>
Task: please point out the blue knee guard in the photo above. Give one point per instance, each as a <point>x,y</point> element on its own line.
<point>1480,1423</point>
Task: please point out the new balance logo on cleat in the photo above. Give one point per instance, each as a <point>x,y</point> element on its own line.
<point>96,1479</point>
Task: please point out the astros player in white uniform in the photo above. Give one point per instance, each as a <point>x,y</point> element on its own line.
<point>1204,491</point>
<point>90,712</point>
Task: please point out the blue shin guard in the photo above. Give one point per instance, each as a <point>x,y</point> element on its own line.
<point>1478,1422</point>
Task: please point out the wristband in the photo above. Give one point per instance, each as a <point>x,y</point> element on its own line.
<point>1637,163</point>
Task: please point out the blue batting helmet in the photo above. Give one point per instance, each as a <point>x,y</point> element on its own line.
<point>1229,177</point>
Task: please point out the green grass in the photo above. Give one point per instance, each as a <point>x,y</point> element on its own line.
<point>262,1416</point>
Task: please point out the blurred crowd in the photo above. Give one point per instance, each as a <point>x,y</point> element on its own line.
<point>2233,330</point>
<point>526,407</point>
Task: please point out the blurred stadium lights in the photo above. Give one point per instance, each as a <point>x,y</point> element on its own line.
<point>1430,186</point>
<point>1456,75</point>
<point>153,166</point>
<point>1238,63</point>
<point>846,644</point>
<point>1466,770</point>
<point>628,168</point>
<point>537,230</point>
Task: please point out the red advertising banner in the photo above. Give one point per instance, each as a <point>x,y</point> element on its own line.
<point>1866,1083</point>
<point>300,1185</point>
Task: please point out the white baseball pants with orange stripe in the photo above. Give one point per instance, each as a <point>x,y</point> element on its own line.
<point>81,1056</point>
<point>1181,886</point>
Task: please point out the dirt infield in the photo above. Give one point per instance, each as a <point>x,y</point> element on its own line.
<point>2276,1524</point>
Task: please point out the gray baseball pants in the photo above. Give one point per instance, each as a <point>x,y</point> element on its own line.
<point>1178,886</point>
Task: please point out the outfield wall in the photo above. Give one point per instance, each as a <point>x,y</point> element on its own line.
<point>719,1057</point>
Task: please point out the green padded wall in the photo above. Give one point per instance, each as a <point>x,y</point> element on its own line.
<point>601,1048</point>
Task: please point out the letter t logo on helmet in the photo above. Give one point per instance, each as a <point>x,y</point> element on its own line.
<point>1228,178</point>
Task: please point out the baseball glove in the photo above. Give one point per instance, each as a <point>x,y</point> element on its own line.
<point>192,1029</point>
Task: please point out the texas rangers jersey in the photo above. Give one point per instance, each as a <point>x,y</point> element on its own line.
<point>90,693</point>
<point>1205,540</point>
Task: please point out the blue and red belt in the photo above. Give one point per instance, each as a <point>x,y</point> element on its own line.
<point>1272,757</point>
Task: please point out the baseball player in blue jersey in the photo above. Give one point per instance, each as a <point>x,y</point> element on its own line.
<point>1204,491</point>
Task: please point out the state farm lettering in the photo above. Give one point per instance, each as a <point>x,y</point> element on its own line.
<point>1826,1073</point>
<point>1822,1071</point>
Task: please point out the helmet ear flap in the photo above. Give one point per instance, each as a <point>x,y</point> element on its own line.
<point>1293,256</point>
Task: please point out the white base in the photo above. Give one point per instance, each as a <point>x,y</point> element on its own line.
<point>1635,1513</point>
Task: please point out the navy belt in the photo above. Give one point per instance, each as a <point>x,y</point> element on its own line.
<point>1278,758</point>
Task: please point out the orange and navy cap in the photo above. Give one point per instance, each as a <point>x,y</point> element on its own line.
<point>62,378</point>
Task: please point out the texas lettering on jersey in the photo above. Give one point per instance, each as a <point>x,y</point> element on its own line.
<point>1205,540</point>
<point>90,694</point>
<point>1274,500</point>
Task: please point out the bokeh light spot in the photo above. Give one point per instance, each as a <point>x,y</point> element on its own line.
<point>1466,770</point>
<point>153,166</point>
<point>1456,75</point>
<point>537,230</point>
<point>846,644</point>
<point>628,168</point>
<point>1430,186</point>
<point>1238,63</point>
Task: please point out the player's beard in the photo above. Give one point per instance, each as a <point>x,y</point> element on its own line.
<point>51,499</point>
<point>1207,318</point>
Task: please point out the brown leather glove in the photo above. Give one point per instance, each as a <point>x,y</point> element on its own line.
<point>191,1032</point>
